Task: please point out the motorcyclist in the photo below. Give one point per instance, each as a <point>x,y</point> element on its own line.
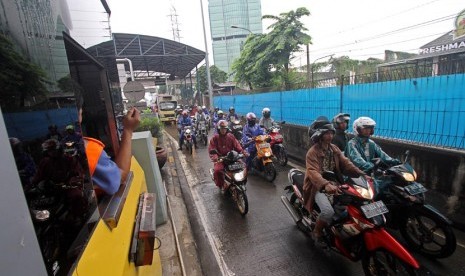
<point>361,150</point>
<point>185,120</point>
<point>223,142</point>
<point>74,137</point>
<point>266,121</point>
<point>323,156</point>
<point>53,133</point>
<point>251,129</point>
<point>341,124</point>
<point>24,162</point>
<point>232,116</point>
<point>220,116</point>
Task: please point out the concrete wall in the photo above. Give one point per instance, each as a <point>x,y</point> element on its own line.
<point>442,171</point>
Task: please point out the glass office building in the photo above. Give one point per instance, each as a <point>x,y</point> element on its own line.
<point>227,41</point>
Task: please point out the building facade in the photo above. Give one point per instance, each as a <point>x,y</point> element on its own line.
<point>245,15</point>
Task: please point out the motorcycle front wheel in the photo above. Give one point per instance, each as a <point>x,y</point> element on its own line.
<point>381,262</point>
<point>270,172</point>
<point>240,197</point>
<point>281,155</point>
<point>205,139</point>
<point>429,235</point>
<point>189,148</point>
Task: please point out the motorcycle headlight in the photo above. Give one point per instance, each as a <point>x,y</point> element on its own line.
<point>365,193</point>
<point>409,176</point>
<point>41,215</point>
<point>239,176</point>
<point>267,154</point>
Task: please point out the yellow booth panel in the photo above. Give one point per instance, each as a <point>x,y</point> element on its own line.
<point>107,252</point>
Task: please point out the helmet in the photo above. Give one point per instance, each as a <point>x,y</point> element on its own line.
<point>222,124</point>
<point>251,118</point>
<point>69,127</point>
<point>363,122</point>
<point>339,118</point>
<point>231,108</point>
<point>50,144</point>
<point>266,112</point>
<point>217,108</point>
<point>319,127</point>
<point>14,141</point>
<point>204,107</point>
<point>184,113</point>
<point>220,112</point>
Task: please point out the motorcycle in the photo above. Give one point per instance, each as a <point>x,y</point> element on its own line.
<point>188,142</point>
<point>236,129</point>
<point>262,163</point>
<point>235,176</point>
<point>70,149</point>
<point>49,212</point>
<point>277,144</point>
<point>422,226</point>
<point>208,122</point>
<point>202,133</point>
<point>356,230</point>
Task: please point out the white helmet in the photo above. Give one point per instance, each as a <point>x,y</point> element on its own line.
<point>363,122</point>
<point>266,112</point>
<point>204,107</point>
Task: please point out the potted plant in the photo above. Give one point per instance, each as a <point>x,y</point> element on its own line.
<point>150,122</point>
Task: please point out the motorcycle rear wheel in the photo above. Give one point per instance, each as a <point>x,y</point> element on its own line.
<point>270,172</point>
<point>381,262</point>
<point>429,235</point>
<point>240,197</point>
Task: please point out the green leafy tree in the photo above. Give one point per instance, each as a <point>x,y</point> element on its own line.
<point>265,59</point>
<point>19,78</point>
<point>216,74</point>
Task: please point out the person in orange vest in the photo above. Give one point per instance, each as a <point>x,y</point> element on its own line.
<point>106,174</point>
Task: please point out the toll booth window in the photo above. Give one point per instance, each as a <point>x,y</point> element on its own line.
<point>46,139</point>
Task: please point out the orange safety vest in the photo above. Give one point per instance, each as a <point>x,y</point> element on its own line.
<point>94,149</point>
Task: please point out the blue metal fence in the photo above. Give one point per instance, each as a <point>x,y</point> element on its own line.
<point>423,110</point>
<point>31,125</point>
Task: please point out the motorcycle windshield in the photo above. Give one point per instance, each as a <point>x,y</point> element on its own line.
<point>360,181</point>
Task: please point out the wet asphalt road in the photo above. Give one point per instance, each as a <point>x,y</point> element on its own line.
<point>266,241</point>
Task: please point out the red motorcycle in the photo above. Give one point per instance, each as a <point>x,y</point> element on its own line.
<point>276,143</point>
<point>356,230</point>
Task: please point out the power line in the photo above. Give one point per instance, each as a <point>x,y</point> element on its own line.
<point>369,23</point>
<point>434,21</point>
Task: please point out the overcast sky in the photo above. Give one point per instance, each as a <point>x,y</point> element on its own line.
<point>357,28</point>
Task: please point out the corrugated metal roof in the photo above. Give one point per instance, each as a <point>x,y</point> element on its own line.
<point>148,54</point>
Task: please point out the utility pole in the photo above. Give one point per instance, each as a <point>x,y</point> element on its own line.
<point>308,63</point>
<point>210,89</point>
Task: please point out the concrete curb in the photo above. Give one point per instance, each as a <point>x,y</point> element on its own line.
<point>210,262</point>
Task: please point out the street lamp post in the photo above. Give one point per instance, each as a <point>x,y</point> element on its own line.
<point>242,28</point>
<point>207,64</point>
<point>314,63</point>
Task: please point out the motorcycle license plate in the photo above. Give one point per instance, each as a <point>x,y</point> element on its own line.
<point>374,209</point>
<point>415,188</point>
<point>278,137</point>
<point>264,145</point>
<point>233,167</point>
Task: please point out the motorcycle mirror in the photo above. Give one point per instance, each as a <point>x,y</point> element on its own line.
<point>407,156</point>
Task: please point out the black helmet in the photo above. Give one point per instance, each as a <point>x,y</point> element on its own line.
<point>319,127</point>
<point>339,118</point>
<point>231,108</point>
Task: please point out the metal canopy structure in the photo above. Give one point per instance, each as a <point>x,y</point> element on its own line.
<point>149,55</point>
